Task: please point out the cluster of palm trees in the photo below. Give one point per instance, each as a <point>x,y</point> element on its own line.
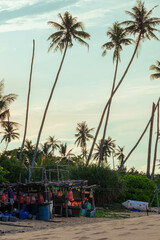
<point>9,128</point>
<point>141,26</point>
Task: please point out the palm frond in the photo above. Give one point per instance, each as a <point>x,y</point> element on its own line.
<point>81,41</point>
<point>56,25</point>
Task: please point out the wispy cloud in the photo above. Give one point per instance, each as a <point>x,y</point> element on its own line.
<point>10,5</point>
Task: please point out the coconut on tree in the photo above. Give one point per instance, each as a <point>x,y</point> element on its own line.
<point>69,29</point>
<point>142,25</point>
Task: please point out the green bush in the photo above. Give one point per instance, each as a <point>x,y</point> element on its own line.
<point>12,170</point>
<point>110,185</point>
<point>138,188</point>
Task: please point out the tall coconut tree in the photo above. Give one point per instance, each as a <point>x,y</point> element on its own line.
<point>142,26</point>
<point>140,138</point>
<point>150,141</point>
<point>53,143</point>
<point>83,135</point>
<point>68,30</point>
<point>156,145</point>
<point>155,68</point>
<point>118,38</point>
<point>28,99</point>
<point>10,133</point>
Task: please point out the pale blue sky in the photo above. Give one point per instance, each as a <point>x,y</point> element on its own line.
<point>86,77</point>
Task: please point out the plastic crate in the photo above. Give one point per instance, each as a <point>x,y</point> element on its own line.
<point>12,219</point>
<point>76,212</point>
<point>5,218</point>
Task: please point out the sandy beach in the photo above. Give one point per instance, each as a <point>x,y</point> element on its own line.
<point>139,227</point>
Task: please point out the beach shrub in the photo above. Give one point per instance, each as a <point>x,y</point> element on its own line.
<point>12,169</point>
<point>138,188</point>
<point>110,186</point>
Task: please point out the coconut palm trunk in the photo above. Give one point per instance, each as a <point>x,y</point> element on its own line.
<point>28,99</point>
<point>46,109</point>
<point>137,143</point>
<point>108,102</point>
<point>150,141</point>
<point>108,112</point>
<point>156,145</point>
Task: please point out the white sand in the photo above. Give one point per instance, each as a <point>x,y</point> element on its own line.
<point>137,228</point>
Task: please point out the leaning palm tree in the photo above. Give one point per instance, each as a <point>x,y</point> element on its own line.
<point>53,143</point>
<point>143,25</point>
<point>10,133</point>
<point>118,38</point>
<point>83,136</point>
<point>69,29</point>
<point>155,68</point>
<point>28,99</point>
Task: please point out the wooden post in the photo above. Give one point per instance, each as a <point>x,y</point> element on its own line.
<point>93,203</point>
<point>150,141</point>
<point>66,202</point>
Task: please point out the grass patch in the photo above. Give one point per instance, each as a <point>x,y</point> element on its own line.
<point>106,213</point>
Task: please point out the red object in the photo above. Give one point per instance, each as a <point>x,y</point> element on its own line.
<point>70,195</point>
<point>15,197</point>
<point>27,200</point>
<point>59,193</point>
<point>3,197</point>
<point>33,200</point>
<point>40,198</point>
<point>21,199</point>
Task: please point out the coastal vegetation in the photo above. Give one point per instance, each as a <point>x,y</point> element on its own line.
<point>104,163</point>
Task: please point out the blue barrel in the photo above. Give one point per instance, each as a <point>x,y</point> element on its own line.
<point>44,212</point>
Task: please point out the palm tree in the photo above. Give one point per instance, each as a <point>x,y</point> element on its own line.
<point>28,145</point>
<point>140,138</point>
<point>143,25</point>
<point>120,154</point>
<point>156,68</point>
<point>83,136</point>
<point>65,154</point>
<point>9,134</point>
<point>156,145</point>
<point>27,109</point>
<point>45,148</point>
<point>5,101</point>
<point>68,30</point>
<point>117,36</point>
<point>53,143</point>
<point>108,148</point>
